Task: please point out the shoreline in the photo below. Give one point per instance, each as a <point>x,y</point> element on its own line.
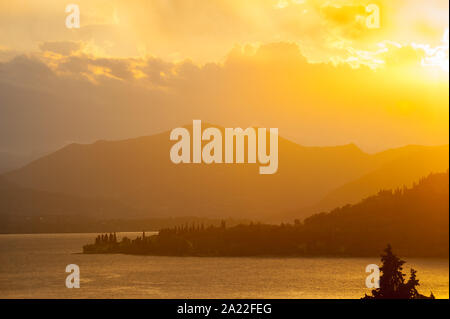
<point>268,256</point>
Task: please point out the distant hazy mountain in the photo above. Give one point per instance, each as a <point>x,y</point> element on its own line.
<point>138,172</point>
<point>32,211</point>
<point>10,161</point>
<point>16,201</point>
<point>401,167</point>
<point>6,185</point>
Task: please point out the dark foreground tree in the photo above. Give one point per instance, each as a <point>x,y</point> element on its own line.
<point>392,280</point>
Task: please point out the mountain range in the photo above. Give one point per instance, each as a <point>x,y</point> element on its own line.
<point>136,177</point>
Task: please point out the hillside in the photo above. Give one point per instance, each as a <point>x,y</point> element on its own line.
<point>29,210</point>
<point>413,220</point>
<point>401,166</point>
<point>138,172</point>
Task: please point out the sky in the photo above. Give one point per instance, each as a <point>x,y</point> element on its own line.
<point>313,69</point>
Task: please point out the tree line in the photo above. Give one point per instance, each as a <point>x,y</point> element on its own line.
<point>415,220</point>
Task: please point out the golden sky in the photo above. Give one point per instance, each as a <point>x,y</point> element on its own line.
<point>205,30</point>
<point>311,68</point>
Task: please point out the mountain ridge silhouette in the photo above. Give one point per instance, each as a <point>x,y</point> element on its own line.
<point>138,172</point>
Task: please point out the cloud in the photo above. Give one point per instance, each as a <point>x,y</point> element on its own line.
<point>204,31</point>
<point>62,47</point>
<point>47,99</point>
<point>6,53</point>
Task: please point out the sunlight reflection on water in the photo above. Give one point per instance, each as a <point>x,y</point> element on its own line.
<point>33,266</point>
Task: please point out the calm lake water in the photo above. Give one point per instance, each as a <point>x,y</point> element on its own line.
<point>33,266</point>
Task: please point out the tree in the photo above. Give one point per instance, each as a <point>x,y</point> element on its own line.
<point>392,280</point>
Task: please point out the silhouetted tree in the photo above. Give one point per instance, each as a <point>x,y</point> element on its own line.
<point>392,280</point>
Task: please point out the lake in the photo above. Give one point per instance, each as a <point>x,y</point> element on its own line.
<point>33,266</point>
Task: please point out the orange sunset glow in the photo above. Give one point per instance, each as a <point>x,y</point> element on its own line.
<point>202,135</point>
<point>225,60</point>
